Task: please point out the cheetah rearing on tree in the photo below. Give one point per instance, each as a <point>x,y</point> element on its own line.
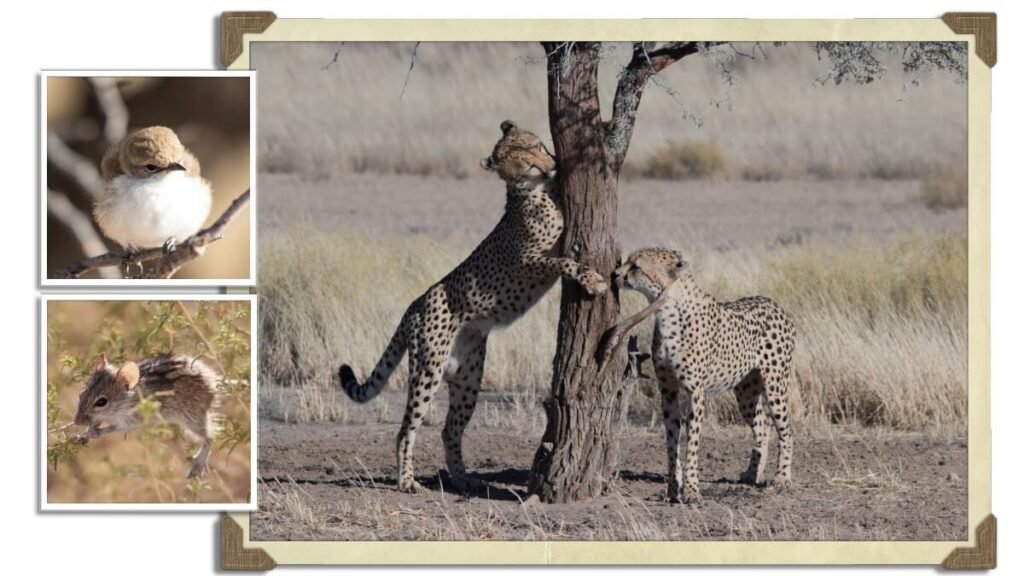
<point>702,347</point>
<point>445,330</point>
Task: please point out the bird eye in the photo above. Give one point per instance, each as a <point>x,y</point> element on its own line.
<point>100,402</point>
<point>151,167</point>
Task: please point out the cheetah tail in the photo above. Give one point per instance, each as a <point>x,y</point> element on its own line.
<point>385,366</point>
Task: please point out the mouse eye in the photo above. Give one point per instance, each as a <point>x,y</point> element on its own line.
<point>150,167</point>
<point>100,402</point>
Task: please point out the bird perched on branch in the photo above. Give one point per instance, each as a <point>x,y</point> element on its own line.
<point>153,193</point>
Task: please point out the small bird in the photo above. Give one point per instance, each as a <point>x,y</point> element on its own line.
<point>153,194</point>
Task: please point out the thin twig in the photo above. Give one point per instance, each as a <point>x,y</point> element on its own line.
<point>168,264</point>
<point>83,172</point>
<point>115,113</point>
<point>80,226</point>
<point>334,60</point>
<point>408,73</point>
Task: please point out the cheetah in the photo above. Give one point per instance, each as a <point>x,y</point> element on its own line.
<point>702,347</point>
<point>445,330</point>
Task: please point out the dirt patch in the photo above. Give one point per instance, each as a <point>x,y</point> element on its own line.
<point>336,481</point>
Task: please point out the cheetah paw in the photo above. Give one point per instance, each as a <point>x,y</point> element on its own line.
<point>781,483</point>
<point>410,486</point>
<point>592,281</point>
<point>751,478</point>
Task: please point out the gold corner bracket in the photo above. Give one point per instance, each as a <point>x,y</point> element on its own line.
<point>982,556</point>
<point>982,25</point>
<point>233,556</point>
<point>233,25</point>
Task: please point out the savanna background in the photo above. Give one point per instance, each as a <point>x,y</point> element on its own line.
<point>149,464</point>
<point>84,116</point>
<point>845,203</point>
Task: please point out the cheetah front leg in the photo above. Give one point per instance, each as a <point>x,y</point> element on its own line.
<point>427,360</point>
<point>587,277</point>
<point>673,420</point>
<point>463,374</point>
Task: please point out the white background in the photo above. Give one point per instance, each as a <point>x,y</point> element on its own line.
<point>176,35</point>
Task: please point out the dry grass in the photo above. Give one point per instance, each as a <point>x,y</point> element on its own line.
<point>945,188</point>
<point>683,161</point>
<point>780,124</point>
<point>882,326</point>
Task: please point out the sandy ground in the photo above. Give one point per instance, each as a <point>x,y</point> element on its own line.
<point>336,481</point>
<point>719,214</point>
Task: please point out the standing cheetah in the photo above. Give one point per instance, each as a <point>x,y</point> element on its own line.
<point>703,347</point>
<point>445,330</point>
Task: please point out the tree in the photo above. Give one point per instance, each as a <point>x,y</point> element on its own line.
<point>578,455</point>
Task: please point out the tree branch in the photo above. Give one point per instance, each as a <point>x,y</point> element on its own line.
<point>73,165</point>
<point>170,263</point>
<point>115,113</point>
<point>647,61</point>
<point>613,337</point>
<point>80,226</point>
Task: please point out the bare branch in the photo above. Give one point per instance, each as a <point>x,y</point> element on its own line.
<point>115,113</point>
<point>412,63</point>
<point>613,339</point>
<point>73,165</point>
<point>647,61</point>
<point>80,226</point>
<point>169,263</point>
<point>334,60</point>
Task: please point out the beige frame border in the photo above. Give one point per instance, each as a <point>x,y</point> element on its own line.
<point>239,552</point>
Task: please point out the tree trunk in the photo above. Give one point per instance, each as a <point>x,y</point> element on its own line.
<point>578,455</point>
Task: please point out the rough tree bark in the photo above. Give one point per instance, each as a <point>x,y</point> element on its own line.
<point>578,455</point>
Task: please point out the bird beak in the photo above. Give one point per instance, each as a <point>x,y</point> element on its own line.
<point>176,166</point>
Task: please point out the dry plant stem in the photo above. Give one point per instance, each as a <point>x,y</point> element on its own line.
<point>80,226</point>
<point>168,264</point>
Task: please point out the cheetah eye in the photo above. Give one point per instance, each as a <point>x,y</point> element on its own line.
<point>150,167</point>
<point>100,402</point>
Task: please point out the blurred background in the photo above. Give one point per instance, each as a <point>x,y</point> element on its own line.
<point>211,117</point>
<point>147,464</point>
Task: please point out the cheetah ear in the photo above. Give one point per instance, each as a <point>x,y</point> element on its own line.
<point>680,267</point>
<point>508,125</point>
<point>101,363</point>
<point>128,375</point>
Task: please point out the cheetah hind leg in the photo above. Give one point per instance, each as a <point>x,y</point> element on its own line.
<point>776,388</point>
<point>463,374</point>
<point>426,367</point>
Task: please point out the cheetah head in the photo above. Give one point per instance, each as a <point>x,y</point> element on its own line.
<point>520,157</point>
<point>650,270</point>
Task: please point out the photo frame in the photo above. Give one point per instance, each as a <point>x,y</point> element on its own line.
<point>240,30</point>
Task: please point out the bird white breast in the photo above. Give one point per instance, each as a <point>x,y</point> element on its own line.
<point>145,212</point>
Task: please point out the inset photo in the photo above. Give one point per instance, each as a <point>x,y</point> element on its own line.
<point>147,403</point>
<point>147,178</point>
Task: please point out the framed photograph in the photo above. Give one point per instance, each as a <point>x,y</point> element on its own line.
<point>147,178</point>
<point>148,402</point>
<point>588,292</point>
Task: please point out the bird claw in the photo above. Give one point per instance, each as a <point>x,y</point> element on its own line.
<point>129,263</point>
<point>169,246</point>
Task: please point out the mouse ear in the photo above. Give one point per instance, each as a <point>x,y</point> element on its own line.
<point>101,363</point>
<point>128,375</point>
